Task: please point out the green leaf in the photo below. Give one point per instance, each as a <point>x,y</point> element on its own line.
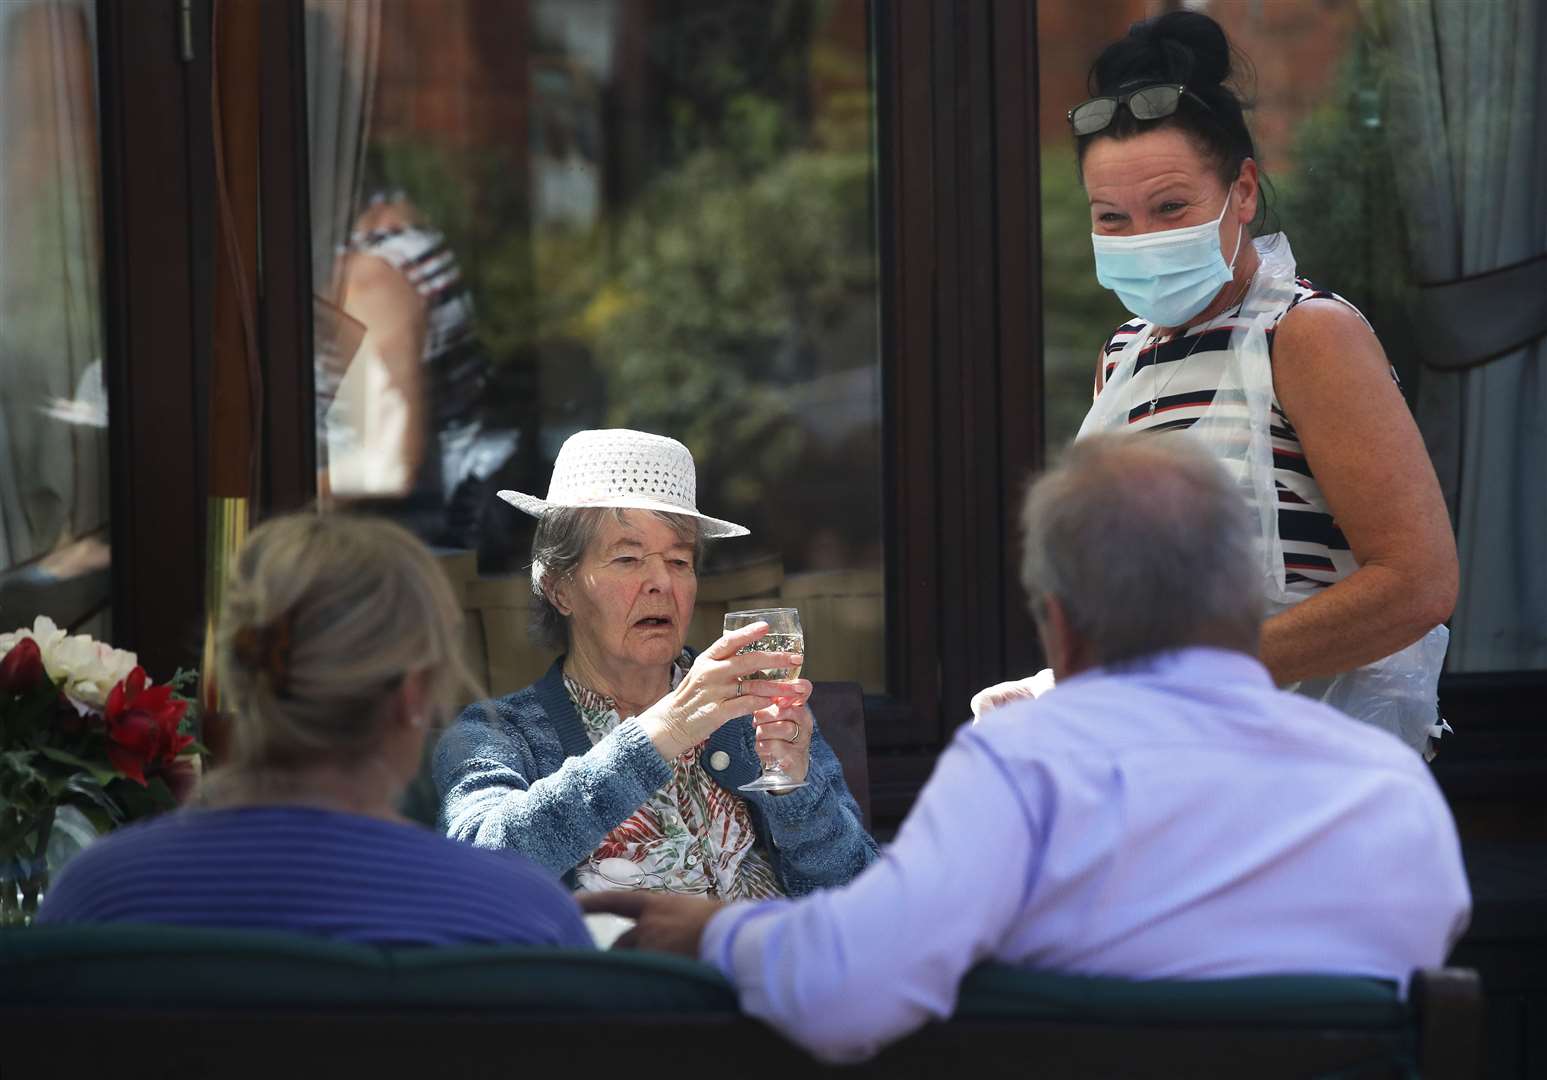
<point>137,801</point>
<point>99,773</point>
<point>101,820</point>
<point>159,791</point>
<point>21,781</point>
<point>11,836</point>
<point>19,762</point>
<point>88,789</point>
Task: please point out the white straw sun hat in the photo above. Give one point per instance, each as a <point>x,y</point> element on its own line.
<point>623,468</point>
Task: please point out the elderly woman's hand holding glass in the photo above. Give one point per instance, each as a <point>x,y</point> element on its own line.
<point>779,742</point>
<point>624,766</point>
<point>720,686</point>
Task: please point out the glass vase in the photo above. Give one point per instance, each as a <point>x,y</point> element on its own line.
<point>24,864</point>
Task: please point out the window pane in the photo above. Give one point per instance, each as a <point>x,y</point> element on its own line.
<point>1399,140</point>
<point>1311,80</point>
<point>54,547</point>
<point>557,215</point>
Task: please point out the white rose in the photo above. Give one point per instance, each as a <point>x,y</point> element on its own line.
<point>112,667</point>
<point>44,632</point>
<point>85,670</point>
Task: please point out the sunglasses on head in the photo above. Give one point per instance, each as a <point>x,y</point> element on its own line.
<point>1145,103</point>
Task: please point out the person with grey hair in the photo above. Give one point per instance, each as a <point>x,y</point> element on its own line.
<point>620,768</point>
<point>1166,814</point>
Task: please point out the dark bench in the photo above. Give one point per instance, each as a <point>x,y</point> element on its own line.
<point>1493,772</point>
<point>150,1001</point>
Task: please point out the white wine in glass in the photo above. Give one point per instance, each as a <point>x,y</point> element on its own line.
<point>784,636</point>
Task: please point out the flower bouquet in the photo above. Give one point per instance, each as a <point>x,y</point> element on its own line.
<point>81,728</point>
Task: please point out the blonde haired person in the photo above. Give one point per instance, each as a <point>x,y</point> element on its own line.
<point>338,653</point>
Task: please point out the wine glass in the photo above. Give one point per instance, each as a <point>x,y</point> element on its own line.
<point>785,636</point>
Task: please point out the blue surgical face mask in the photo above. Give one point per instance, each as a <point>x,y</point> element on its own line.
<point>1166,277</point>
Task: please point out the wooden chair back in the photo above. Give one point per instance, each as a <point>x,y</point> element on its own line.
<point>839,708</point>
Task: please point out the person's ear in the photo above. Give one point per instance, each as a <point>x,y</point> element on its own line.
<point>558,595</point>
<point>413,701</point>
<point>1247,190</point>
<point>1067,652</point>
<point>1050,634</point>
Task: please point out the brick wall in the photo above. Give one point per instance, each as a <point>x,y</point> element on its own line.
<point>1295,47</point>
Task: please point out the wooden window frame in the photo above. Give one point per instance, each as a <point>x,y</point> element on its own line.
<point>158,184</point>
<point>959,260</point>
<point>960,263</point>
<point>961,333</point>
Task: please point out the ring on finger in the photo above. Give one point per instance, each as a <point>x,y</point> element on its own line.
<point>741,688</point>
<point>795,738</point>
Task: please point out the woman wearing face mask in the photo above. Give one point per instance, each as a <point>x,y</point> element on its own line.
<point>1283,380</point>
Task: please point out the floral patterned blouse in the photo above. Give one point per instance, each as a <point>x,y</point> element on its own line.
<point>691,836</point>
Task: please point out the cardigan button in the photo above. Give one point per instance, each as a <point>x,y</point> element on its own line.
<point>719,761</point>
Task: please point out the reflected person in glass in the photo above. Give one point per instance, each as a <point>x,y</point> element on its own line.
<point>405,418</point>
<point>1283,380</point>
<point>631,748</point>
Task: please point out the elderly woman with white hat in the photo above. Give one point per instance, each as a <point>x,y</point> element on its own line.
<point>620,767</point>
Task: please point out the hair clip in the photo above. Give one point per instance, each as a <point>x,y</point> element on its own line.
<point>266,649</point>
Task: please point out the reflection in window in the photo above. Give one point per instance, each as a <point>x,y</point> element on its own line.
<point>54,548</point>
<point>608,214</point>
<point>1351,108</point>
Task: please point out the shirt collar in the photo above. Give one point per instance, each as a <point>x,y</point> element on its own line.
<point>594,701</point>
<point>1193,663</point>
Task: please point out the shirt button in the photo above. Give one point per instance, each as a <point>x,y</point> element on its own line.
<point>719,761</point>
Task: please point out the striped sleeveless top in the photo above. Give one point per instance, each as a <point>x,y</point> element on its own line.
<point>1180,374</point>
<point>455,362</point>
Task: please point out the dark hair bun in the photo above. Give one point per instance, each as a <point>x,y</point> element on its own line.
<point>1179,46</point>
<point>1188,48</point>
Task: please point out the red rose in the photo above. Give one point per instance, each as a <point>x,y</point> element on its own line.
<point>22,668</point>
<point>134,741</point>
<point>142,726</point>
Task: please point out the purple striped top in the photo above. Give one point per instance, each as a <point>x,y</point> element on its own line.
<point>314,871</point>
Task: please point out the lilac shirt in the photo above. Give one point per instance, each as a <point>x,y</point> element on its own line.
<point>1187,820</point>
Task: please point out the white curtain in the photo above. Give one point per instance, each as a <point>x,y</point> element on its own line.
<point>1467,107</point>
<point>342,40</point>
<point>53,409</point>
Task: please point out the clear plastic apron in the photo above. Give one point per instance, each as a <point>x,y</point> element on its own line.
<point>1398,693</point>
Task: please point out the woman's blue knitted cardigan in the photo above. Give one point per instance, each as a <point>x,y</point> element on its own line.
<point>520,772</point>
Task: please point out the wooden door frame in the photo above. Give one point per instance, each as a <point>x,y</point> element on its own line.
<point>959,235</point>
<point>157,184</point>
<point>285,281</point>
<point>961,338</point>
